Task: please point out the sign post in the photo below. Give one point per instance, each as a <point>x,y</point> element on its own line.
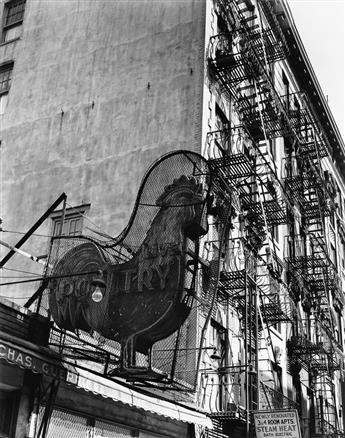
<point>277,424</point>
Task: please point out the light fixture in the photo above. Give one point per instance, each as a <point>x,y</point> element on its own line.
<point>215,355</point>
<point>97,294</point>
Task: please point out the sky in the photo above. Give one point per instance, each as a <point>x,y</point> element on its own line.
<point>321,26</point>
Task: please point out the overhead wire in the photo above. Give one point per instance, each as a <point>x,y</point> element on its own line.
<point>24,272</point>
<point>20,297</point>
<point>52,277</point>
<point>23,233</point>
<point>17,276</point>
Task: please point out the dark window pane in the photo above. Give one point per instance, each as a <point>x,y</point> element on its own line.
<point>14,12</point>
<point>8,407</point>
<point>72,226</point>
<point>5,78</point>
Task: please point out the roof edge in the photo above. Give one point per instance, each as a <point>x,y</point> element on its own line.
<point>306,78</point>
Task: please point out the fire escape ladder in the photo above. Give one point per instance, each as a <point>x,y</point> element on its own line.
<point>319,276</point>
<point>323,252</point>
<point>270,14</point>
<point>326,420</point>
<point>245,62</point>
<point>268,338</point>
<point>251,327</point>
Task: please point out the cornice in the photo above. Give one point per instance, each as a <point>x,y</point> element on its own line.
<point>306,78</point>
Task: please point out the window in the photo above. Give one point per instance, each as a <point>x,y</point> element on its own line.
<point>13,19</point>
<point>5,77</point>
<point>3,103</point>
<point>8,412</point>
<point>222,124</point>
<point>333,255</point>
<point>222,121</point>
<point>221,25</point>
<point>275,233</point>
<point>342,253</point>
<point>286,90</point>
<point>68,424</point>
<point>339,327</point>
<point>5,84</point>
<point>273,148</point>
<point>73,222</point>
<point>339,201</point>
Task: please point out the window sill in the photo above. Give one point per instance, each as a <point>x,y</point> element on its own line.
<point>10,41</point>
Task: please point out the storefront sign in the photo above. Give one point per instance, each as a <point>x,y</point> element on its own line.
<point>277,424</point>
<point>31,362</point>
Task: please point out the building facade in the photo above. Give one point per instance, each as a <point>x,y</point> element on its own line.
<point>92,93</point>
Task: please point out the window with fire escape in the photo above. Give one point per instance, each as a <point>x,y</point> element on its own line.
<point>339,201</point>
<point>342,252</point>
<point>218,343</point>
<point>222,27</point>
<point>277,370</point>
<point>222,125</point>
<point>333,255</point>
<point>275,233</point>
<point>286,91</point>
<point>218,339</point>
<point>273,148</point>
<point>13,19</point>
<point>222,122</point>
<point>339,328</point>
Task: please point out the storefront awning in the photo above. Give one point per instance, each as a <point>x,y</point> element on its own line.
<point>30,356</point>
<point>108,388</point>
<point>42,360</point>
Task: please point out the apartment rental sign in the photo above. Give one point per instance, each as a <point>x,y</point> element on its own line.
<point>277,424</point>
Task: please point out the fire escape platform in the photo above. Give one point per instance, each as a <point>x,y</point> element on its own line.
<point>231,283</point>
<point>304,264</point>
<point>269,116</point>
<point>272,312</point>
<point>230,66</point>
<point>232,166</point>
<point>275,211</point>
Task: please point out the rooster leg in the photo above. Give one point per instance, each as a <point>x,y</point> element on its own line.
<point>128,353</point>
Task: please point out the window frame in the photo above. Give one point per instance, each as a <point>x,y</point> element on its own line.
<point>6,67</point>
<point>6,12</point>
<point>8,5</point>
<point>70,214</point>
<point>9,399</point>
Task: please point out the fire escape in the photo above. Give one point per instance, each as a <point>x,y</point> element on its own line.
<point>251,280</point>
<point>315,346</point>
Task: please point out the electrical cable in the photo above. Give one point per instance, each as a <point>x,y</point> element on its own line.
<point>17,276</point>
<point>24,272</point>
<point>52,277</point>
<point>20,297</point>
<point>23,233</point>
